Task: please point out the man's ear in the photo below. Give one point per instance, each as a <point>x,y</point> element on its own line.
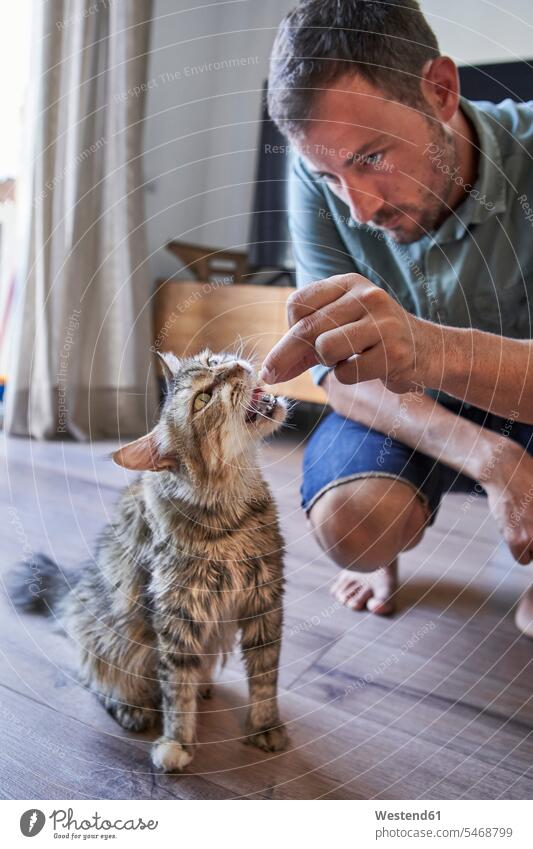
<point>170,365</point>
<point>143,455</point>
<point>439,82</point>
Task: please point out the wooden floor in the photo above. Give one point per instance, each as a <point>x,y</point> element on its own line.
<point>432,703</point>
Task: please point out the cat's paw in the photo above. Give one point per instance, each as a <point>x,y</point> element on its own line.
<point>169,755</point>
<point>270,739</point>
<point>131,718</point>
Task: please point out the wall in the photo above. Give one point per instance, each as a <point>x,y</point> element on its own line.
<point>202,125</point>
<point>474,31</point>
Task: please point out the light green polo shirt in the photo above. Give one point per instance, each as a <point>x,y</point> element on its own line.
<point>476,270</point>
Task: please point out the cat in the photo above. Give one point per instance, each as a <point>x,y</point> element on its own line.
<point>192,555</point>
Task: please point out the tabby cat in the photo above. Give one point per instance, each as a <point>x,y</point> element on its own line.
<point>192,555</point>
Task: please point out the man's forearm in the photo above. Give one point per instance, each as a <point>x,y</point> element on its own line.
<point>490,371</point>
<point>420,422</point>
<point>347,323</point>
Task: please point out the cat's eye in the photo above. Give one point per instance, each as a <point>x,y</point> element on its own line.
<point>201,401</point>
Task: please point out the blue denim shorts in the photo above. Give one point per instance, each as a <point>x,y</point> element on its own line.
<point>340,450</point>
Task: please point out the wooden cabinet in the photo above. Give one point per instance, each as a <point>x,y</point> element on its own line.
<point>189,316</point>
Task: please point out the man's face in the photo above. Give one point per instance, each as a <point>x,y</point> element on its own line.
<point>379,157</point>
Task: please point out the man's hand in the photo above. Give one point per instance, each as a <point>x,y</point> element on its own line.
<point>510,493</point>
<point>353,326</point>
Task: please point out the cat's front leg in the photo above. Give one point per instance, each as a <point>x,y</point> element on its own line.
<point>261,642</point>
<point>179,674</point>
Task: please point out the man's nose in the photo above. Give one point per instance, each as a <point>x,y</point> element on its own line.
<point>364,204</point>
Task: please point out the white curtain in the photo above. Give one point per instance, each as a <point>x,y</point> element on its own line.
<point>80,358</point>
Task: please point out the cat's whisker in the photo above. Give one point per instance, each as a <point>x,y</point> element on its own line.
<point>254,357</point>
<point>249,409</point>
<point>290,425</point>
<point>240,348</point>
<point>253,350</point>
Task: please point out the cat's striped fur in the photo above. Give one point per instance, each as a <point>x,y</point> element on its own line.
<point>192,556</point>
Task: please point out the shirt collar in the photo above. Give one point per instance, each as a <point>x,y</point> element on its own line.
<point>488,194</point>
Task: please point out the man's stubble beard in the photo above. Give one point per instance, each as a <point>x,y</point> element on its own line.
<point>438,208</point>
<point>434,206</point>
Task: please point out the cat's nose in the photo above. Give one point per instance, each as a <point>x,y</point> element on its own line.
<point>238,367</point>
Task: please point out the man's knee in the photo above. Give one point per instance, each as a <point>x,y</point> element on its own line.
<point>365,524</point>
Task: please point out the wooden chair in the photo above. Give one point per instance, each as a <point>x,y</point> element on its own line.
<point>211,264</point>
<point>189,316</point>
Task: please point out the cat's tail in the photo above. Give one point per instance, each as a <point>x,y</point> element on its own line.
<point>38,585</point>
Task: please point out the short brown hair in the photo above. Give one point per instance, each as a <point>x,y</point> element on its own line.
<point>387,43</point>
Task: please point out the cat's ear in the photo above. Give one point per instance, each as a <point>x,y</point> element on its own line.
<point>170,365</point>
<point>143,455</point>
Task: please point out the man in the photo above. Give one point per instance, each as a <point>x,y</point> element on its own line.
<point>410,207</point>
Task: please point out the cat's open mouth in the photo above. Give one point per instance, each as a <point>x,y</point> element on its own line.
<point>260,405</point>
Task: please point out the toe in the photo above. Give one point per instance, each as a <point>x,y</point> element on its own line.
<point>524,615</point>
<point>380,606</point>
<point>340,585</point>
<point>346,588</point>
<point>359,599</point>
<point>344,580</point>
<point>348,594</point>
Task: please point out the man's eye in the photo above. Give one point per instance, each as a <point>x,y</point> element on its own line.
<point>201,401</point>
<point>372,159</point>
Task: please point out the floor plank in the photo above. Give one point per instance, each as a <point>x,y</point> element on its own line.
<point>434,702</point>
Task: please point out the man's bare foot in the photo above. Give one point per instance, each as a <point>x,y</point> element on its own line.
<point>524,613</point>
<point>373,590</point>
